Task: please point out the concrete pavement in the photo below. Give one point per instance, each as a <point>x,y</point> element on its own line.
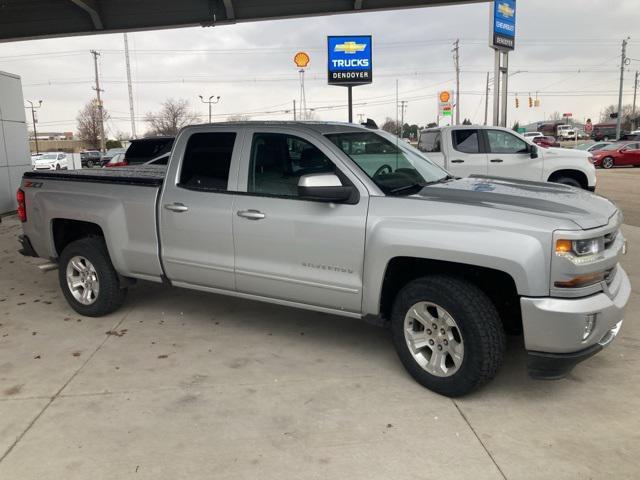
<point>182,384</point>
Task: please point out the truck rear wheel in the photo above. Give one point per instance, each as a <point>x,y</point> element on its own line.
<point>87,278</point>
<point>447,334</point>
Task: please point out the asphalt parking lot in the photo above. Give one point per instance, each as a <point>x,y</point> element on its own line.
<point>182,384</point>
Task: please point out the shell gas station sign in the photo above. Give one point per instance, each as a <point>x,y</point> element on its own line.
<point>445,105</point>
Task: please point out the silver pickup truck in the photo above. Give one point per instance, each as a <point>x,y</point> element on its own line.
<point>347,220</point>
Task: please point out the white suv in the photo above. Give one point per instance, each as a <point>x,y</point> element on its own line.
<point>51,161</point>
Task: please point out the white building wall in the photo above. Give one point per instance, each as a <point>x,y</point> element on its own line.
<point>14,145</point>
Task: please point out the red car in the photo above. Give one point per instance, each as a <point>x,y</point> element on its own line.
<point>618,154</point>
<point>545,141</point>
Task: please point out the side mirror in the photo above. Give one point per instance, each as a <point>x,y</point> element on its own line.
<point>324,187</point>
<point>533,151</point>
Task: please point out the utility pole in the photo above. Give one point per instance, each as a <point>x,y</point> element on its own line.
<point>210,102</point>
<point>403,105</point>
<point>635,94</point>
<point>624,61</point>
<point>486,102</point>
<point>98,90</point>
<point>456,61</point>
<point>294,109</point>
<point>33,117</point>
<point>131,112</point>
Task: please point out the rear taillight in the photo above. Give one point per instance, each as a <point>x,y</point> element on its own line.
<point>22,206</point>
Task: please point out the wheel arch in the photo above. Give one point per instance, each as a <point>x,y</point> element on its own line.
<point>498,285</point>
<point>577,175</point>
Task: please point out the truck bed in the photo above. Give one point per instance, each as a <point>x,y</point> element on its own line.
<point>144,175</point>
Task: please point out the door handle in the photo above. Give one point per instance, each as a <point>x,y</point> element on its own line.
<point>176,207</point>
<point>251,214</point>
<point>457,161</point>
<point>497,160</point>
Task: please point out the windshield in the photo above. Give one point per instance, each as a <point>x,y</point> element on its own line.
<point>395,168</point>
<point>49,156</point>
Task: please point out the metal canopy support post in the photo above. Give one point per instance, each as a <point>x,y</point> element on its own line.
<point>496,89</point>
<point>350,101</point>
<point>505,87</point>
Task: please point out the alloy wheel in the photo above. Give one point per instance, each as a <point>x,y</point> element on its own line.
<point>434,339</point>
<point>82,280</point>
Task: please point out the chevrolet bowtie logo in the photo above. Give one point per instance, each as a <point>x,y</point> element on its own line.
<point>505,10</point>
<point>349,47</point>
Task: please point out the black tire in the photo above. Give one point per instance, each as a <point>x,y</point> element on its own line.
<point>479,325</point>
<point>567,181</point>
<point>111,294</point>
<point>606,164</point>
<point>57,166</point>
<point>89,163</point>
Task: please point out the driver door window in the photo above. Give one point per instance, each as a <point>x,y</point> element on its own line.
<point>279,160</point>
<point>504,142</point>
<point>509,157</point>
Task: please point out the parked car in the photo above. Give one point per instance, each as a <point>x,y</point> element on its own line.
<point>495,151</point>
<point>531,135</point>
<point>545,141</point>
<point>629,137</point>
<point>351,221</point>
<point>604,131</point>
<point>34,157</point>
<point>89,158</point>
<point>106,158</point>
<point>51,161</point>
<point>592,147</point>
<point>116,161</point>
<point>618,154</point>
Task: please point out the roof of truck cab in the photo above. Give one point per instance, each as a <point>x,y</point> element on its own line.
<point>316,126</point>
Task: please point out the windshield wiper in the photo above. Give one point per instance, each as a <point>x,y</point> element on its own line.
<point>409,187</point>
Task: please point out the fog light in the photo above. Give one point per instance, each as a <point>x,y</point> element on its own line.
<point>589,324</point>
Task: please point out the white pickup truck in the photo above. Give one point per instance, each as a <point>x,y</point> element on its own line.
<point>499,152</point>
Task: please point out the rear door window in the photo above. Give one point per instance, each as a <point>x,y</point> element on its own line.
<point>207,160</point>
<point>466,140</point>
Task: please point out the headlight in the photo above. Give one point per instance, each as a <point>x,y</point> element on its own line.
<point>580,251</point>
<point>591,159</point>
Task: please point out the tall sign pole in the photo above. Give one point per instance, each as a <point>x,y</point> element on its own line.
<point>99,100</point>
<point>349,63</point>
<point>33,117</point>
<point>129,87</point>
<point>502,36</point>
<point>624,61</point>
<point>301,59</point>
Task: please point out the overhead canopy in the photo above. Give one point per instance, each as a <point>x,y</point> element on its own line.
<point>31,19</point>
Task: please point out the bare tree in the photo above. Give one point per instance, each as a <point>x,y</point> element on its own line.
<point>89,123</point>
<point>627,116</point>
<point>555,116</point>
<point>391,126</point>
<point>173,115</point>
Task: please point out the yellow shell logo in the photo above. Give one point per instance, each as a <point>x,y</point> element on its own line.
<point>444,97</point>
<point>301,59</point>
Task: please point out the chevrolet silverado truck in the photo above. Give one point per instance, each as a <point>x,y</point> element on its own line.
<point>351,221</point>
<point>495,151</point>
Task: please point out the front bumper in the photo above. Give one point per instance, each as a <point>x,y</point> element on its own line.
<point>553,327</point>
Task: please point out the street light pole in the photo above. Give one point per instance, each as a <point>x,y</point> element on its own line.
<point>210,102</point>
<point>33,117</point>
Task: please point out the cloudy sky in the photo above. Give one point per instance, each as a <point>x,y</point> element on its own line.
<point>568,52</point>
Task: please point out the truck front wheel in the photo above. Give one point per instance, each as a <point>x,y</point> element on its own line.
<point>448,334</point>
<point>87,278</point>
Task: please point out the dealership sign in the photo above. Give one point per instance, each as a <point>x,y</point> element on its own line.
<point>349,60</point>
<point>503,24</point>
<point>445,105</point>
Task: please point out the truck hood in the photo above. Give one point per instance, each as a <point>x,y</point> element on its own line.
<point>552,152</point>
<point>553,200</point>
